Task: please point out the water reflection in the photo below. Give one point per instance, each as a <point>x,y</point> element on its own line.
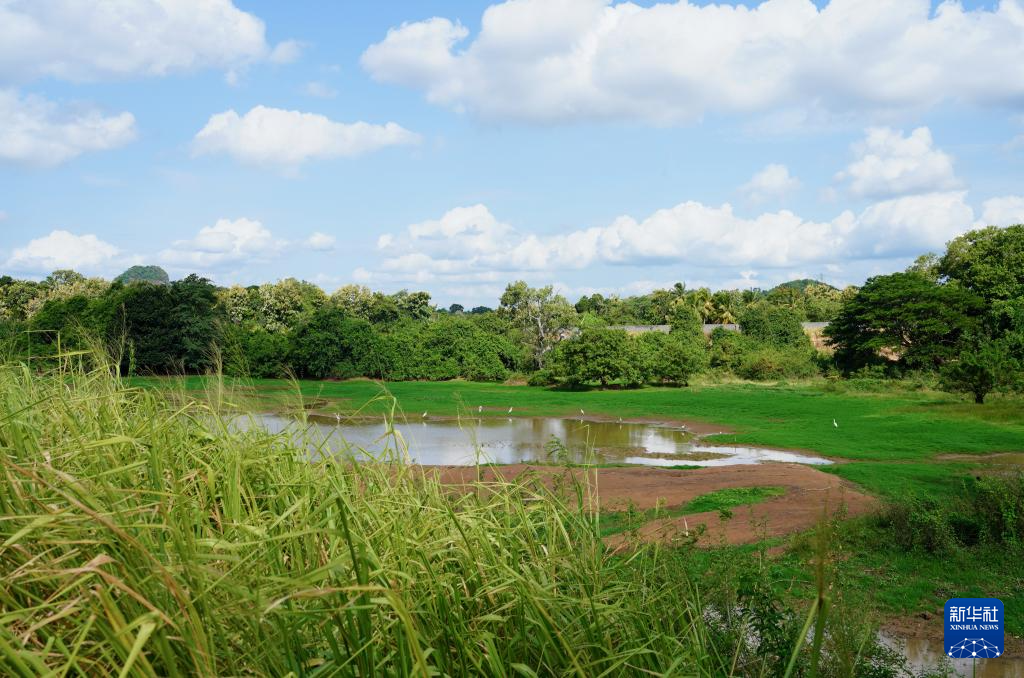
<point>927,653</point>
<point>512,440</point>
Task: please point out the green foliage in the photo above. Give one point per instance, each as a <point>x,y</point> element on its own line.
<point>775,326</point>
<point>599,355</point>
<point>981,367</point>
<point>988,262</point>
<point>684,319</point>
<point>767,363</point>
<point>672,358</point>
<point>539,314</point>
<point>988,510</point>
<point>151,274</point>
<point>452,347</point>
<point>331,344</point>
<point>907,317</point>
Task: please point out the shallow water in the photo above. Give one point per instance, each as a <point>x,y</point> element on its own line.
<point>512,440</point>
<point>922,653</point>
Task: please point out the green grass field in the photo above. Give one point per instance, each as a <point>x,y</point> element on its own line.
<point>899,432</point>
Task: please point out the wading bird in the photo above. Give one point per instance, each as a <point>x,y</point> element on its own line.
<point>835,423</point>
<point>337,418</point>
<point>510,410</point>
<point>582,412</point>
<point>479,409</point>
<point>423,416</point>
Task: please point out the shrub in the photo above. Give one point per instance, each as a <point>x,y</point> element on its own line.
<point>771,363</point>
<point>776,326</point>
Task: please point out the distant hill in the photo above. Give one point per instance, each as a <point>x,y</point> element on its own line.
<point>152,274</point>
<point>801,284</point>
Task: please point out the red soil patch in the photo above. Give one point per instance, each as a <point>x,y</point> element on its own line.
<point>809,495</point>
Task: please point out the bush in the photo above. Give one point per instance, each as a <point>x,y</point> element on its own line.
<point>773,325</point>
<point>768,363</point>
<point>672,358</point>
<point>989,510</point>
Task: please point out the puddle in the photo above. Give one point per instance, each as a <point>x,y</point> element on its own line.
<point>514,440</point>
<point>925,653</point>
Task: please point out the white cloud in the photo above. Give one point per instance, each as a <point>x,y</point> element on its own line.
<point>469,244</point>
<point>772,182</point>
<point>888,164</point>
<point>61,249</point>
<point>273,136</point>
<point>286,52</point>
<point>320,90</point>
<point>562,60</point>
<point>1003,211</point>
<point>35,131</point>
<point>321,242</point>
<point>226,242</point>
<point>86,41</point>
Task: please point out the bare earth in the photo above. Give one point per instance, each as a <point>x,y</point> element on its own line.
<point>809,495</point>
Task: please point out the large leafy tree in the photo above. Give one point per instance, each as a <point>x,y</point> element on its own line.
<point>981,367</point>
<point>600,355</point>
<point>196,317</point>
<point>542,316</point>
<point>330,344</point>
<point>990,263</point>
<point>905,316</point>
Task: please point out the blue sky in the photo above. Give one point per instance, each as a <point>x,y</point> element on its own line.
<point>454,147</point>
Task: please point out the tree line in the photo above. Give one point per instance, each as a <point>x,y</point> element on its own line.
<point>958,317</point>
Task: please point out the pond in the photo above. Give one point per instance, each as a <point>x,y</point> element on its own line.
<point>506,441</point>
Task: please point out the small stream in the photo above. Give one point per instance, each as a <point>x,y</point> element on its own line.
<point>467,441</point>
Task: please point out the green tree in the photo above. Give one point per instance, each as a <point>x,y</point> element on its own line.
<point>685,319</point>
<point>600,355</point>
<point>196,318</point>
<point>981,367</point>
<point>990,263</point>
<point>773,325</point>
<point>328,343</point>
<point>542,316</point>
<point>906,316</point>
<point>673,358</point>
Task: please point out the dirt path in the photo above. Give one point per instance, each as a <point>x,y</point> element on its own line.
<point>809,493</point>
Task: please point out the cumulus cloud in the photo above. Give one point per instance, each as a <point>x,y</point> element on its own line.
<point>470,244</point>
<point>562,60</point>
<point>34,131</point>
<point>276,137</point>
<point>1003,211</point>
<point>229,241</point>
<point>61,249</point>
<point>887,163</point>
<point>320,242</point>
<point>772,182</point>
<point>87,41</point>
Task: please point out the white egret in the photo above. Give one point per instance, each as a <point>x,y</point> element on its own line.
<point>835,423</point>
<point>581,411</point>
<point>424,415</point>
<point>510,410</point>
<point>479,409</point>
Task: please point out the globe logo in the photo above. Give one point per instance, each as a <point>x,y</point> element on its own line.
<point>973,628</point>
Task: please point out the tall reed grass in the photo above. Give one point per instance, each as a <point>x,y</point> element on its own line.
<point>141,537</point>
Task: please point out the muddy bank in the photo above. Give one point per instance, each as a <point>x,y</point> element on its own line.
<point>809,495</point>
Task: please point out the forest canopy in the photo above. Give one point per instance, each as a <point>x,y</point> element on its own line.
<point>958,317</point>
